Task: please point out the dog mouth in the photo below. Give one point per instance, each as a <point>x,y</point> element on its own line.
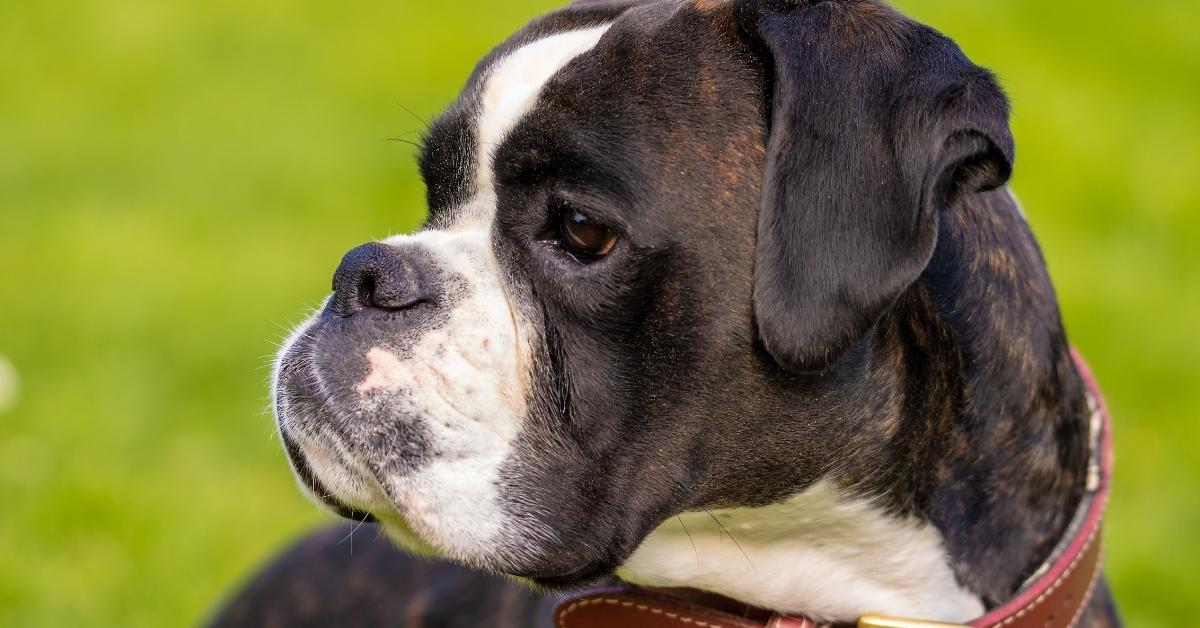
<point>367,458</point>
<point>312,458</point>
<point>318,490</point>
<point>586,575</point>
<point>299,400</point>
<point>346,450</point>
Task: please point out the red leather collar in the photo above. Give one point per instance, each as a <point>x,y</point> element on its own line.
<point>1056,597</point>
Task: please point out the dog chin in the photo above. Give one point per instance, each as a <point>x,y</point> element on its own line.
<point>540,575</point>
<point>330,484</point>
<point>584,576</point>
<point>340,480</point>
<point>546,577</point>
<point>539,567</point>
<point>334,478</point>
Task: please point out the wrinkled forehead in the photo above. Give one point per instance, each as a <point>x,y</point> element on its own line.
<point>550,61</point>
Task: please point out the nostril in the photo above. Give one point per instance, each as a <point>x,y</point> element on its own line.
<point>400,288</point>
<point>381,276</point>
<point>366,291</point>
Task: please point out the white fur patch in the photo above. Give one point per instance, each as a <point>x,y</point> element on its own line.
<point>466,380</point>
<point>514,83</point>
<point>386,371</point>
<point>819,553</point>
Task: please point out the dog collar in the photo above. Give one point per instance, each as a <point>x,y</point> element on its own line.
<point>1055,596</point>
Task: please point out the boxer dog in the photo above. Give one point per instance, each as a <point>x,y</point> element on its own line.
<point>726,295</point>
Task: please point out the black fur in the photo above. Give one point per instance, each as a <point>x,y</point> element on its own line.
<point>877,125</point>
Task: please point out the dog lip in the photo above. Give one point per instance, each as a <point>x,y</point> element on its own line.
<point>297,394</point>
<point>288,379</point>
<point>306,475</point>
<point>582,576</point>
<point>410,313</point>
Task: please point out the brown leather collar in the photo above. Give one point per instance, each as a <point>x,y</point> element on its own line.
<point>1055,597</point>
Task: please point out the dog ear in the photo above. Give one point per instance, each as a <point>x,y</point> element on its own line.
<point>876,124</point>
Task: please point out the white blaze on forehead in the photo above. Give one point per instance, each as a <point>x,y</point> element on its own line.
<point>513,84</point>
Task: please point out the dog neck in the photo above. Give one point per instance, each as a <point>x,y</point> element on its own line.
<point>820,553</point>
<point>1006,457</point>
<point>971,471</point>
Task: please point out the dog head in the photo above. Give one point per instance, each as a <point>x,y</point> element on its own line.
<point>660,234</point>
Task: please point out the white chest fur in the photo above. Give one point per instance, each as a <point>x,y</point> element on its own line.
<point>820,552</point>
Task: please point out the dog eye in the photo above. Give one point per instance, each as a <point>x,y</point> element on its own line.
<point>584,237</point>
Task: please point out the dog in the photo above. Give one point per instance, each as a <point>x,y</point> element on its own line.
<point>728,296</point>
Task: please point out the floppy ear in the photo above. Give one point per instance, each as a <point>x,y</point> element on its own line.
<point>877,124</point>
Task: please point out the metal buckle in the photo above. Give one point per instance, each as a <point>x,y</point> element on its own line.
<point>884,621</point>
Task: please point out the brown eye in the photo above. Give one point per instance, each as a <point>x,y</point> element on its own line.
<point>585,237</point>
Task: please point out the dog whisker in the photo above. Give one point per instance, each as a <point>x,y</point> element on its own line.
<point>424,121</point>
<point>350,536</point>
<point>690,540</point>
<point>735,541</point>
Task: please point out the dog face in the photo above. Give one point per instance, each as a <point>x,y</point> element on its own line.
<point>660,234</point>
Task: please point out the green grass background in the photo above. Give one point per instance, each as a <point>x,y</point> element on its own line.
<point>179,179</point>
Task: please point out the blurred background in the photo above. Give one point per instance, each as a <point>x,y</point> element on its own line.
<point>179,179</point>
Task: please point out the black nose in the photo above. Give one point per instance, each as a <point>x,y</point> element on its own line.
<point>380,276</point>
